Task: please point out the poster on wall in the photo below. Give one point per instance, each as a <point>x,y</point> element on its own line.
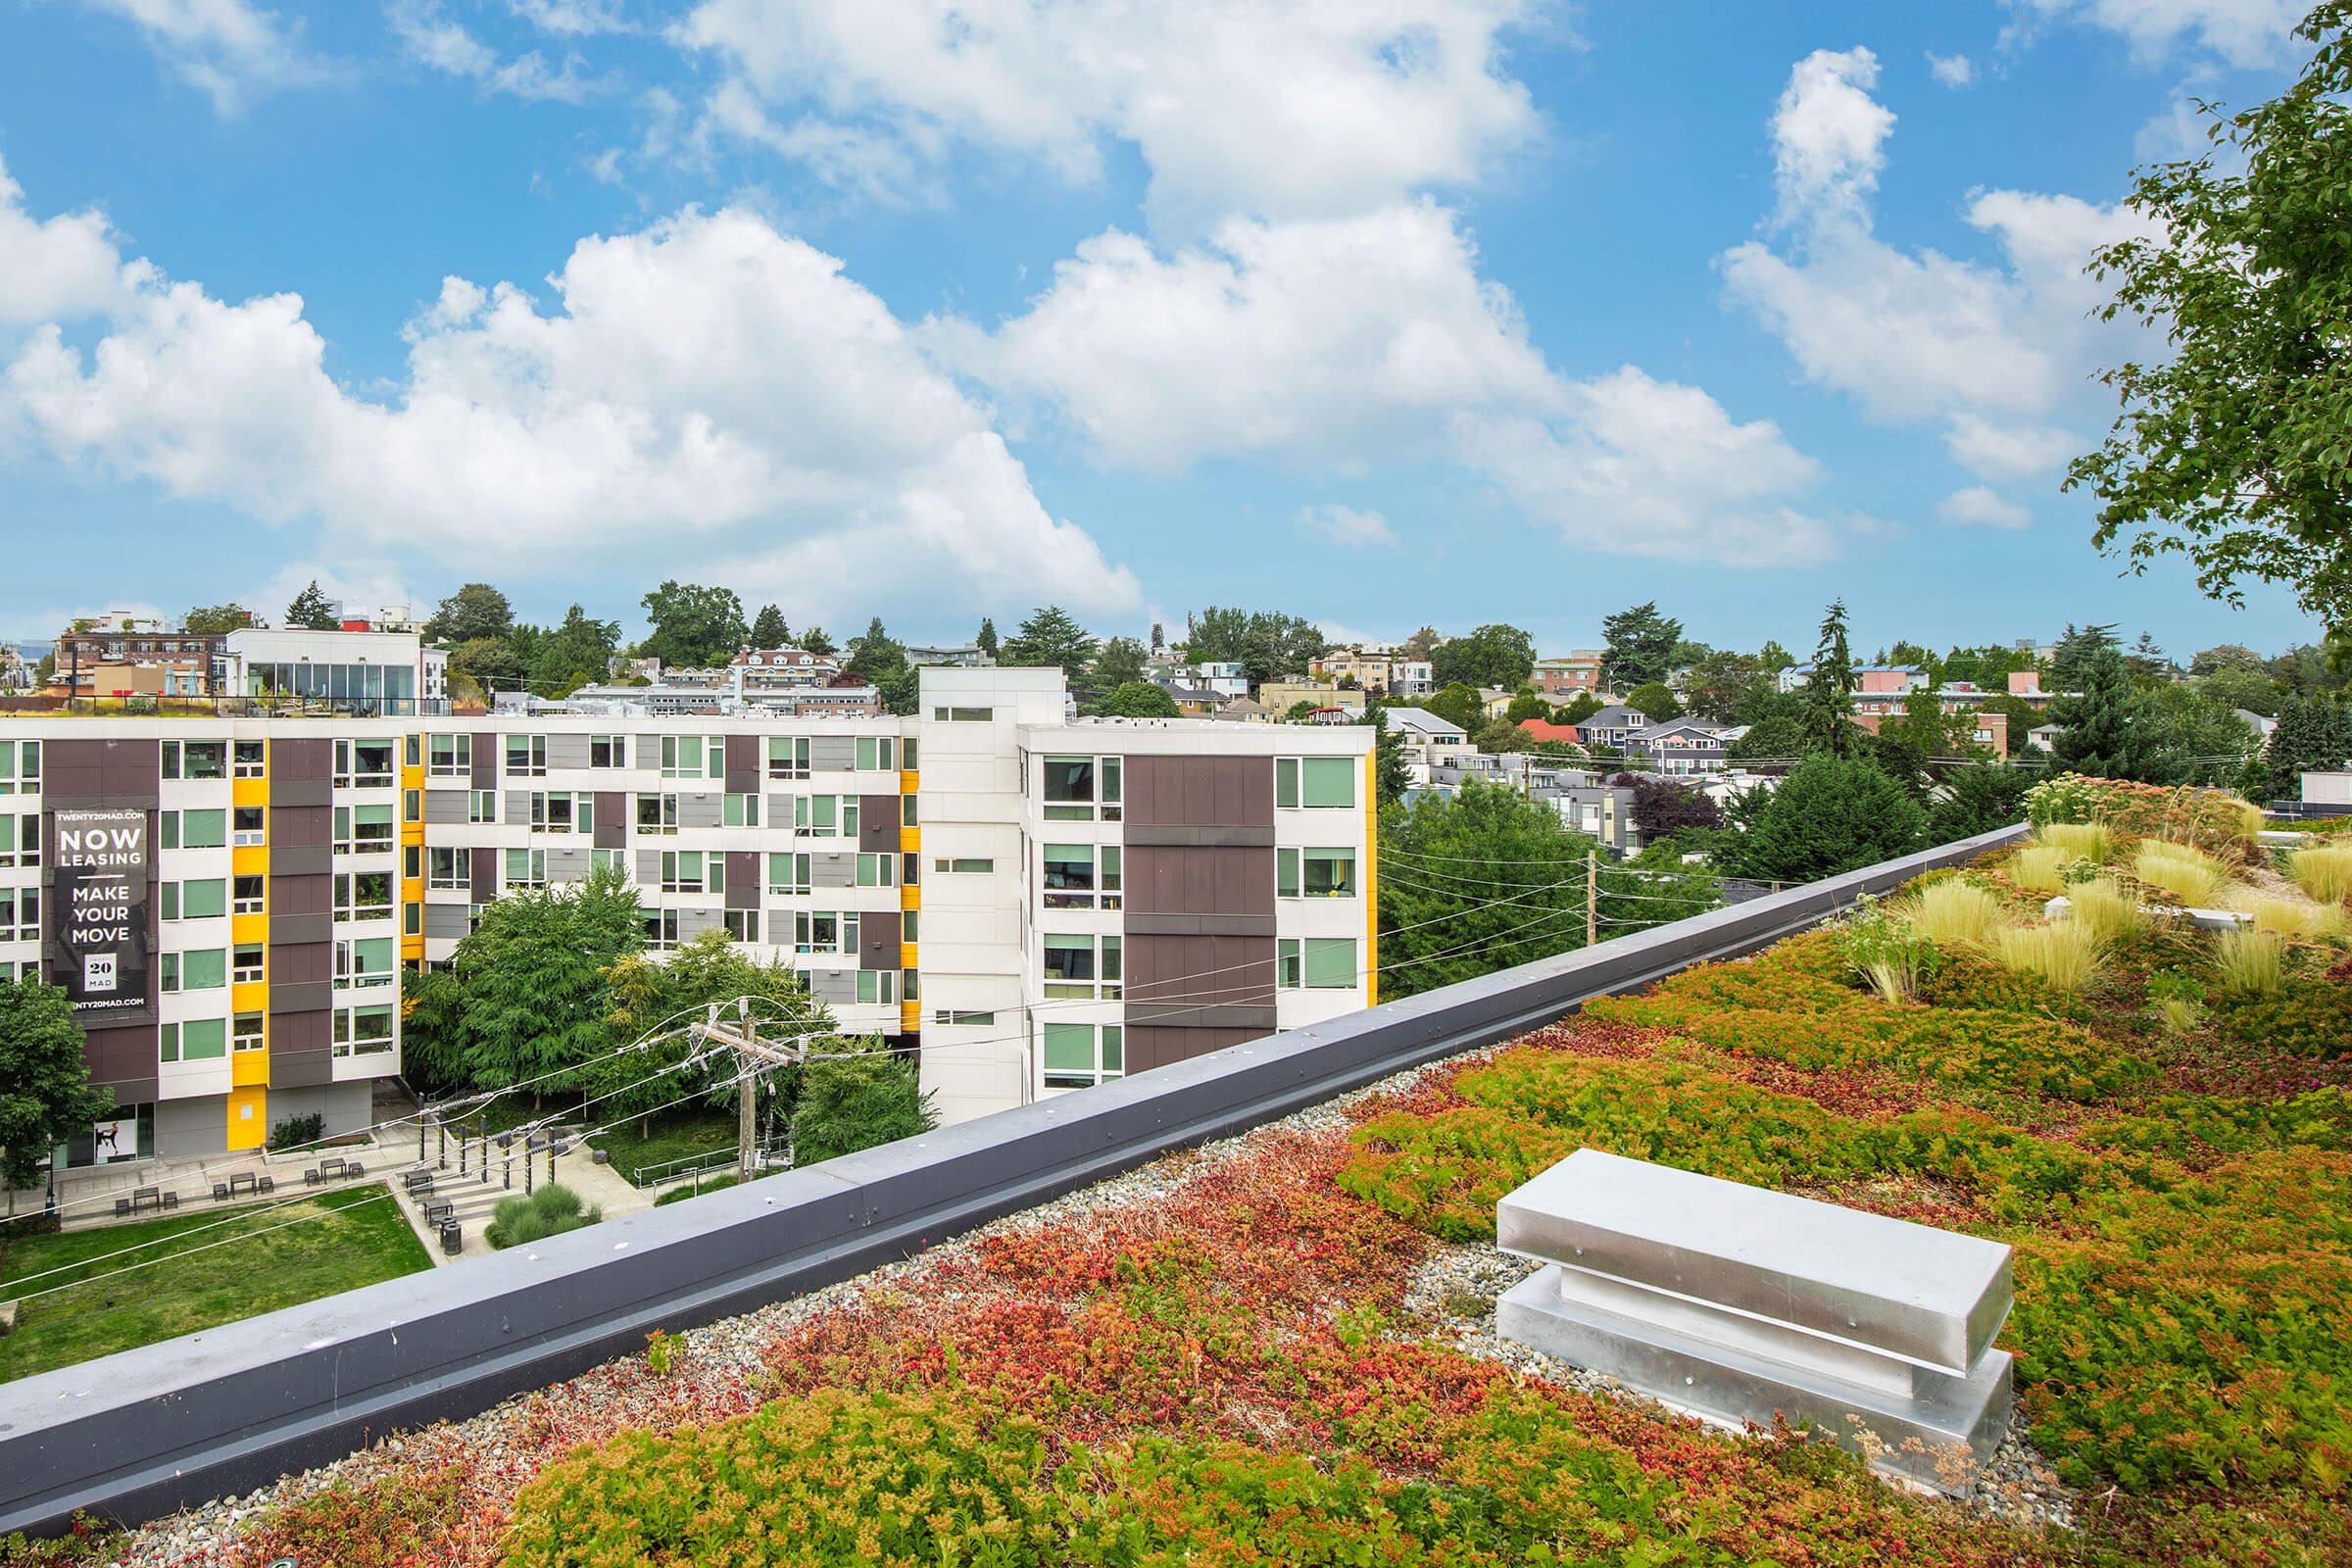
<point>98,913</point>
<point>113,1139</point>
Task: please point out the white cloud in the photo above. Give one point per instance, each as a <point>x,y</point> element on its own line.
<point>1309,106</point>
<point>1344,344</point>
<point>2238,32</point>
<point>1980,508</point>
<point>430,37</point>
<point>232,50</point>
<point>705,390</point>
<point>1994,351</point>
<point>1953,71</point>
<point>361,586</point>
<point>2004,451</point>
<point>63,267</point>
<point>1347,526</point>
<point>572,18</point>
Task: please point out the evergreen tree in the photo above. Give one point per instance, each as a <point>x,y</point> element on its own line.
<point>881,660</point>
<point>311,611</point>
<point>1120,663</point>
<point>575,654</point>
<point>768,629</point>
<point>816,642</point>
<point>1641,646</point>
<point>1977,799</point>
<point>2096,735</point>
<point>1832,815</point>
<point>1051,636</point>
<point>1391,774</point>
<point>2314,736</point>
<point>1159,637</point>
<point>46,1091</point>
<point>1828,696</point>
<point>986,642</point>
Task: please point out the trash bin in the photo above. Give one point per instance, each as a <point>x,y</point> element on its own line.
<point>453,1237</point>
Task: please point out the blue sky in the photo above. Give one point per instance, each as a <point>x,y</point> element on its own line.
<point>1382,311</point>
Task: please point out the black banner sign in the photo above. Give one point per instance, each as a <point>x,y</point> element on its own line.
<point>98,911</point>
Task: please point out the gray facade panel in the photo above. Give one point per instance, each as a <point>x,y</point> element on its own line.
<point>517,807</point>
<point>444,807</point>
<point>566,749</point>
<point>833,869</point>
<point>832,754</point>
<point>316,996</point>
<point>289,929</point>
<point>343,1106</point>
<point>288,792</point>
<point>1251,1021</point>
<point>1162,1045</point>
<point>779,810</point>
<point>832,985</point>
<point>698,810</point>
<point>693,923</point>
<point>568,864</point>
<point>295,860</point>
<point>185,1129</point>
<point>448,921</point>
<point>649,869</point>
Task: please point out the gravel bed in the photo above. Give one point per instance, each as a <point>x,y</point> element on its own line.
<point>1451,1300</point>
<point>721,1370</point>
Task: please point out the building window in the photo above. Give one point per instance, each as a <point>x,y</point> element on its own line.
<point>364,962</point>
<point>526,868</point>
<point>742,925</point>
<point>246,826</point>
<point>206,900</point>
<point>787,756</point>
<point>787,874</point>
<point>560,813</point>
<point>526,756</point>
<point>657,813</point>
<point>963,865</point>
<point>877,987</point>
<point>1079,1055</point>
<point>195,760</point>
<point>199,969</point>
<point>1318,782</point>
<point>1081,876</point>
<point>248,1031</point>
<point>824,817</point>
<point>362,896</point>
<point>739,810</point>
<point>1315,963</point>
<point>1079,967</point>
<point>363,764</point>
<point>607,751</point>
<point>1316,874</point>
<point>963,715</point>
<point>660,929</point>
<point>20,840</point>
<point>876,870</point>
<point>247,895</point>
<point>681,756</point>
<point>411,751</point>
<point>449,756</point>
<point>1080,788</point>
<point>248,962</point>
<point>194,830</point>
<point>248,757</point>
<point>877,754</point>
<point>824,931</point>
<point>363,1031</point>
<point>481,806</point>
<point>196,1040</point>
<point>449,869</point>
<point>681,871</point>
<point>363,830</point>
<point>20,915</point>
<point>964,1017</point>
<point>412,806</point>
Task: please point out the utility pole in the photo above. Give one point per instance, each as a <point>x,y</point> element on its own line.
<point>1591,897</point>
<point>752,1054</point>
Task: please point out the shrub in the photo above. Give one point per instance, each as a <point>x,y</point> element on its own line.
<point>550,1211</point>
<point>2062,955</point>
<point>2250,962</point>
<point>2080,840</point>
<point>1953,914</point>
<point>2109,913</point>
<point>1889,957</point>
<point>2211,819</point>
<point>2186,876</point>
<point>296,1130</point>
<point>2325,872</point>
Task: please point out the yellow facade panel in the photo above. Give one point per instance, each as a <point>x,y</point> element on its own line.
<point>249,792</point>
<point>249,928</point>
<point>248,1117</point>
<point>249,996</point>
<point>250,860</point>
<point>249,1069</point>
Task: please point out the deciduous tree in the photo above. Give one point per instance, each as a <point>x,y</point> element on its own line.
<point>692,626</point>
<point>46,1091</point>
<point>477,610</point>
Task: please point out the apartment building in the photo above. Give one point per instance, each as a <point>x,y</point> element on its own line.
<point>1039,903</point>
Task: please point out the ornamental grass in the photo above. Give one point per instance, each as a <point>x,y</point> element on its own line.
<point>2325,872</point>
<point>1954,913</point>
<point>2080,840</point>
<point>2106,909</point>
<point>2062,955</point>
<point>2250,962</point>
<point>2187,875</point>
<point>2296,919</point>
<point>2042,867</point>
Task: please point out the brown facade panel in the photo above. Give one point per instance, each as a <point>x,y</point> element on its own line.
<point>300,827</point>
<point>611,819</point>
<point>297,762</point>
<point>744,882</point>
<point>297,963</point>
<point>1173,879</point>
<point>301,895</point>
<point>1158,1045</point>
<point>743,764</point>
<point>878,823</point>
<point>485,760</point>
<point>300,1048</point>
<point>100,773</point>
<point>125,1061</point>
<point>1199,790</point>
<point>878,941</point>
<point>1199,971</point>
<point>483,873</point>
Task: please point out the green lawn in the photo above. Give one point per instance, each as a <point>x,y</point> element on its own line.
<point>357,1242</point>
<point>671,1135</point>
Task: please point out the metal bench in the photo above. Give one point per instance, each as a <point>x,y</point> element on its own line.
<point>441,1212</point>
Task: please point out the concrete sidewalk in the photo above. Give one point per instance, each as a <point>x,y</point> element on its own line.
<point>478,1192</point>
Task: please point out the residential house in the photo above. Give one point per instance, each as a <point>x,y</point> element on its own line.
<point>1281,694</point>
<point>1226,677</point>
<point>1564,675</point>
